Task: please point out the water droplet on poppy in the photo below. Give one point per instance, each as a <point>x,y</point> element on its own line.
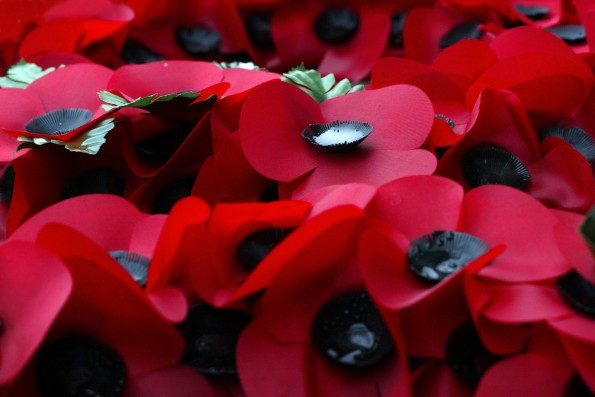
<point>397,22</point>
<point>76,366</point>
<point>59,122</point>
<point>256,246</point>
<point>211,337</point>
<point>448,121</point>
<point>349,330</point>
<point>466,355</point>
<point>7,183</point>
<point>464,30</point>
<point>572,34</point>
<point>96,180</point>
<point>135,264</point>
<point>489,164</point>
<point>336,25</point>
<point>171,193</point>
<point>198,40</point>
<point>161,147</point>
<point>338,136</point>
<point>437,255</point>
<point>575,136</point>
<point>576,387</point>
<point>258,28</point>
<point>532,11</point>
<point>578,292</point>
<point>135,52</point>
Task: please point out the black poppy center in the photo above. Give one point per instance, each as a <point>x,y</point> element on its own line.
<point>258,28</point>
<point>576,387</point>
<point>337,136</point>
<point>59,122</point>
<point>78,366</point>
<point>161,147</point>
<point>437,255</point>
<point>7,183</point>
<point>96,180</point>
<point>198,40</point>
<point>211,337</point>
<point>135,264</point>
<point>171,193</point>
<point>578,292</point>
<point>488,164</point>
<point>575,136</point>
<point>572,34</point>
<point>256,246</point>
<point>465,30</point>
<point>135,52</point>
<point>349,330</point>
<point>336,25</point>
<point>533,11</point>
<point>397,23</point>
<point>466,354</point>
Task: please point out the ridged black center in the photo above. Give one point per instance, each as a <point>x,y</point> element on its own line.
<point>254,247</point>
<point>258,28</point>
<point>576,387</point>
<point>337,136</point>
<point>59,122</point>
<point>437,255</point>
<point>533,11</point>
<point>161,147</point>
<point>96,180</point>
<point>572,34</point>
<point>575,136</point>
<point>349,330</point>
<point>79,366</point>
<point>397,23</point>
<point>7,183</point>
<point>336,25</point>
<point>171,193</point>
<point>211,337</point>
<point>198,40</point>
<point>465,30</point>
<point>135,52</point>
<point>448,121</point>
<point>136,265</point>
<point>578,292</point>
<point>488,164</point>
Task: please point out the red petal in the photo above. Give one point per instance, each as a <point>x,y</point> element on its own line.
<point>438,380</point>
<point>469,58</point>
<point>181,380</point>
<point>358,194</point>
<point>524,39</point>
<point>581,354</point>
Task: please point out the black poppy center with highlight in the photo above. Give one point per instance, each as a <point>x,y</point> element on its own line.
<point>349,330</point>
<point>135,52</point>
<point>575,136</point>
<point>571,34</point>
<point>96,180</point>
<point>256,246</point>
<point>59,122</point>
<point>211,337</point>
<point>76,366</point>
<point>533,11</point>
<point>488,164</point>
<point>578,292</point>
<point>462,31</point>
<point>435,256</point>
<point>336,25</point>
<point>198,40</point>
<point>161,147</point>
<point>135,264</point>
<point>337,136</point>
<point>258,28</point>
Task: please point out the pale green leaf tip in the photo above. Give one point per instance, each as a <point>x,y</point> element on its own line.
<point>23,73</point>
<point>319,88</point>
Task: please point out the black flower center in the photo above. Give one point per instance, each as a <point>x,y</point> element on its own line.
<point>576,387</point>
<point>135,52</point>
<point>336,25</point>
<point>198,40</point>
<point>78,366</point>
<point>466,355</point>
<point>136,265</point>
<point>59,122</point>
<point>211,337</point>
<point>161,147</point>
<point>575,136</point>
<point>397,23</point>
<point>348,329</point>
<point>258,28</point>
<point>465,30</point>
<point>578,292</point>
<point>437,255</point>
<point>572,34</point>
<point>7,183</point>
<point>532,11</point>
<point>171,193</point>
<point>271,193</point>
<point>488,164</point>
<point>338,136</point>
<point>254,247</point>
<point>96,180</point>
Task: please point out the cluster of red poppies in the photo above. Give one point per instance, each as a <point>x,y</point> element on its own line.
<point>177,221</point>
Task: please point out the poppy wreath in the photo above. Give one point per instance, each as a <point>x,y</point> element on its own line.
<point>263,198</point>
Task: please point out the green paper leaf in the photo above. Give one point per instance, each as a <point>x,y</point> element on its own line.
<point>22,73</point>
<point>318,87</point>
<point>238,65</point>
<point>113,101</point>
<point>588,229</point>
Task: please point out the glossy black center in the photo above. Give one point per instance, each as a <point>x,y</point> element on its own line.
<point>466,355</point>
<point>198,40</point>
<point>437,255</point>
<point>578,292</point>
<point>336,25</point>
<point>7,183</point>
<point>211,337</point>
<point>135,52</point>
<point>136,265</point>
<point>161,147</point>
<point>171,193</point>
<point>488,164</point>
<point>572,34</point>
<point>532,11</point>
<point>575,136</point>
<point>397,23</point>
<point>349,330</point>
<point>337,136</point>
<point>78,366</point>
<point>576,387</point>
<point>96,180</point>
<point>258,28</point>
<point>254,247</point>
<point>465,30</point>
<point>59,122</point>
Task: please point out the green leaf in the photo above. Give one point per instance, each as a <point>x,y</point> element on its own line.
<point>114,101</point>
<point>318,87</point>
<point>238,65</point>
<point>22,73</point>
<point>588,229</point>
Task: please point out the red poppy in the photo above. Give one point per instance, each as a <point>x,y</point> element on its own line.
<point>277,119</point>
